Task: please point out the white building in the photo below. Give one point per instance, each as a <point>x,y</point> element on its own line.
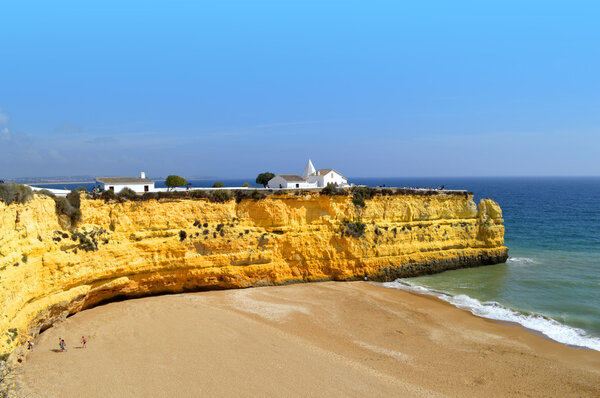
<point>322,177</point>
<point>310,178</point>
<point>289,181</point>
<point>116,184</point>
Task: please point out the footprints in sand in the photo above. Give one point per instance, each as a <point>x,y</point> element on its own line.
<point>245,300</point>
<point>256,302</point>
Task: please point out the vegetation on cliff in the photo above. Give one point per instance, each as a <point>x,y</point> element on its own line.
<point>127,193</point>
<point>7,384</point>
<point>65,206</point>
<point>333,190</point>
<point>45,192</point>
<point>355,229</point>
<point>15,193</point>
<point>216,196</point>
<point>69,206</point>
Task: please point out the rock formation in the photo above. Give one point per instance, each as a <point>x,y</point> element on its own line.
<point>133,249</point>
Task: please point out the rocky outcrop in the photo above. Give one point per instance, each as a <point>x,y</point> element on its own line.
<point>134,249</point>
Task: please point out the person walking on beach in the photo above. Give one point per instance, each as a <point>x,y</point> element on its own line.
<point>60,344</point>
<point>63,344</point>
<point>83,341</point>
<point>30,345</point>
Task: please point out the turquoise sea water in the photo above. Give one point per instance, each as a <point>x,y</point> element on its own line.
<point>551,282</point>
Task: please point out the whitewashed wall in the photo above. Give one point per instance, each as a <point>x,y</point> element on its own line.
<point>139,188</point>
<point>278,181</point>
<point>329,178</point>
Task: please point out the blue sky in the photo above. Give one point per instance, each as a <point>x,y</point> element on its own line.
<point>234,88</point>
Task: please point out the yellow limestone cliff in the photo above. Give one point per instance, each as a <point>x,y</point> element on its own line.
<point>134,249</point>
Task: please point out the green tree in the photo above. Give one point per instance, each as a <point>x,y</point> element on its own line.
<point>246,185</point>
<point>218,184</point>
<point>175,181</point>
<point>263,178</point>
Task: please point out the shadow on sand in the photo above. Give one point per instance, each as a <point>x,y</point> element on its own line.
<point>59,350</point>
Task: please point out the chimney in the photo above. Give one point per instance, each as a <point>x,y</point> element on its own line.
<point>142,175</point>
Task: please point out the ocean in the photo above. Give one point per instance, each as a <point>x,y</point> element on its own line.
<point>551,281</point>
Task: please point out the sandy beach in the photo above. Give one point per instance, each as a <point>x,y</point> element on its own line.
<point>322,339</point>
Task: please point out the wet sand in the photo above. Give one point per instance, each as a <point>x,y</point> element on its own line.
<point>322,339</point>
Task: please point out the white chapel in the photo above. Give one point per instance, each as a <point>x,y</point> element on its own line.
<point>310,178</point>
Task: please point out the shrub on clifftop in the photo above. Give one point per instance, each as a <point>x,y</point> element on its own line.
<point>127,193</point>
<point>198,194</point>
<point>359,194</point>
<point>64,207</point>
<point>15,193</point>
<point>74,197</point>
<point>245,194</point>
<point>149,195</point>
<point>332,190</point>
<point>220,196</point>
<point>45,192</point>
<point>80,190</point>
<point>108,195</point>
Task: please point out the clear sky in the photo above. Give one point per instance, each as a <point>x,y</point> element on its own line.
<point>233,88</point>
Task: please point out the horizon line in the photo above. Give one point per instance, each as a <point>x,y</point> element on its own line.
<point>159,178</point>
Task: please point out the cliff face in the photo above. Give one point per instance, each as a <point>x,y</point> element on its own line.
<point>142,248</point>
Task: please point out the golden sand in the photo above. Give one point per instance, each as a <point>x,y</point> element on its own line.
<point>323,339</point>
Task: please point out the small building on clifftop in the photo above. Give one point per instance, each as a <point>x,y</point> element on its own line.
<point>310,178</point>
<point>116,184</point>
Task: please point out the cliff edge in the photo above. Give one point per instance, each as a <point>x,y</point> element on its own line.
<point>138,248</point>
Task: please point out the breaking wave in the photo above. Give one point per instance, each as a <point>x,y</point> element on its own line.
<point>492,310</point>
<point>522,261</point>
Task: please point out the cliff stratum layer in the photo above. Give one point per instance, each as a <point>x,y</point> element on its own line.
<point>141,248</point>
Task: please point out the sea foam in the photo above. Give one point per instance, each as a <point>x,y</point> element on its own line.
<point>522,261</point>
<point>492,310</point>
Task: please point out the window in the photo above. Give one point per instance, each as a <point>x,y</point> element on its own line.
<point>297,185</point>
<point>111,188</point>
<point>146,188</point>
